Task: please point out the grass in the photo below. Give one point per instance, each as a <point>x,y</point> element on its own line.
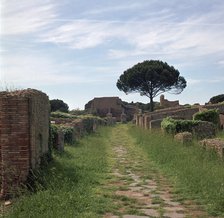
<point>221,134</point>
<point>73,182</point>
<point>196,174</point>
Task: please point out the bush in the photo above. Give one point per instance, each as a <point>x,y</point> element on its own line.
<point>175,126</point>
<point>53,134</point>
<point>168,124</point>
<point>209,116</point>
<point>89,120</point>
<point>68,134</point>
<point>67,131</point>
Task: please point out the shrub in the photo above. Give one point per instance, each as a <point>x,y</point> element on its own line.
<point>209,116</point>
<point>88,124</point>
<point>68,134</point>
<point>53,134</point>
<point>200,129</point>
<point>175,126</point>
<point>168,124</point>
<point>67,131</point>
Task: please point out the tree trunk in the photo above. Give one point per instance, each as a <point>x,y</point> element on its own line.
<point>151,104</point>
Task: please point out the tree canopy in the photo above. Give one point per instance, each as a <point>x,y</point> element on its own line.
<point>217,99</point>
<point>151,78</point>
<point>58,105</point>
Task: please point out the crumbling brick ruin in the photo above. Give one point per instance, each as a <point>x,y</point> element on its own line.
<point>24,135</point>
<point>114,105</point>
<point>164,103</point>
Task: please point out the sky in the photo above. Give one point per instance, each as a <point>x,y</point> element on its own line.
<point>76,50</point>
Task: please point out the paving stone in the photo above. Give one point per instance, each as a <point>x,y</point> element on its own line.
<point>109,215</point>
<point>151,212</point>
<point>135,188</point>
<point>174,209</point>
<point>134,216</point>
<point>144,190</point>
<point>173,215</point>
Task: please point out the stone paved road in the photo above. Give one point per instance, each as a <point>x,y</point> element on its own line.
<point>140,191</point>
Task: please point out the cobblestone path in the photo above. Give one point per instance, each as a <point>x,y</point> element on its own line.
<point>139,190</point>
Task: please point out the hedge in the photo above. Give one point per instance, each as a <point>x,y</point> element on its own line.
<point>211,115</point>
<point>175,126</point>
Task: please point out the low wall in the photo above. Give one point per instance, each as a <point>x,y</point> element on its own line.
<point>24,135</point>
<point>179,112</point>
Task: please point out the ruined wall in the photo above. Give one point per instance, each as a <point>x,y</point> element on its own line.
<point>178,112</point>
<point>24,132</point>
<point>165,103</point>
<point>220,107</point>
<point>101,106</point>
<point>221,118</point>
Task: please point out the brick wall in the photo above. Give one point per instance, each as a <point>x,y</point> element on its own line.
<point>24,132</point>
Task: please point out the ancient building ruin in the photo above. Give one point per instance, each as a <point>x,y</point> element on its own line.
<point>114,105</point>
<point>153,119</point>
<point>164,103</point>
<point>24,135</point>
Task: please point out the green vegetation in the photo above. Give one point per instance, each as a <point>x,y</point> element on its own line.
<point>67,131</point>
<point>80,183</point>
<point>196,173</point>
<point>172,126</point>
<point>217,99</point>
<point>71,183</point>
<point>209,116</point>
<point>151,78</point>
<point>59,114</point>
<point>58,105</point>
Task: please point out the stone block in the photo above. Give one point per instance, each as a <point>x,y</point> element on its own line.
<point>215,144</point>
<point>204,130</point>
<point>183,137</point>
<point>155,124</point>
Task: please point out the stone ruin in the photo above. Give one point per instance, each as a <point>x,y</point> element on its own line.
<point>24,135</point>
<point>184,137</point>
<point>149,120</point>
<point>164,103</point>
<point>114,105</point>
<point>214,144</point>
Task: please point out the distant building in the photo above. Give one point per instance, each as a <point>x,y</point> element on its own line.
<point>166,103</point>
<point>114,105</point>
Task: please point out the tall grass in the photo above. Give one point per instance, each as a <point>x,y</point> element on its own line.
<point>196,174</point>
<point>70,184</point>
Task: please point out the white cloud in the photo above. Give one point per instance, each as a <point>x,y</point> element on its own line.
<point>195,37</point>
<point>22,17</point>
<point>79,34</point>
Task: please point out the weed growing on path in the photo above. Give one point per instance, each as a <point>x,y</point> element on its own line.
<point>197,174</point>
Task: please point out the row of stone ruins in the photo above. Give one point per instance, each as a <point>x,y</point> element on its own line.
<point>152,120</point>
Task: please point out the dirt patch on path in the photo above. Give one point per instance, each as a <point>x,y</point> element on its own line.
<point>140,191</point>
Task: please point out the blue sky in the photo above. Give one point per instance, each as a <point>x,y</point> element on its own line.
<point>76,50</point>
